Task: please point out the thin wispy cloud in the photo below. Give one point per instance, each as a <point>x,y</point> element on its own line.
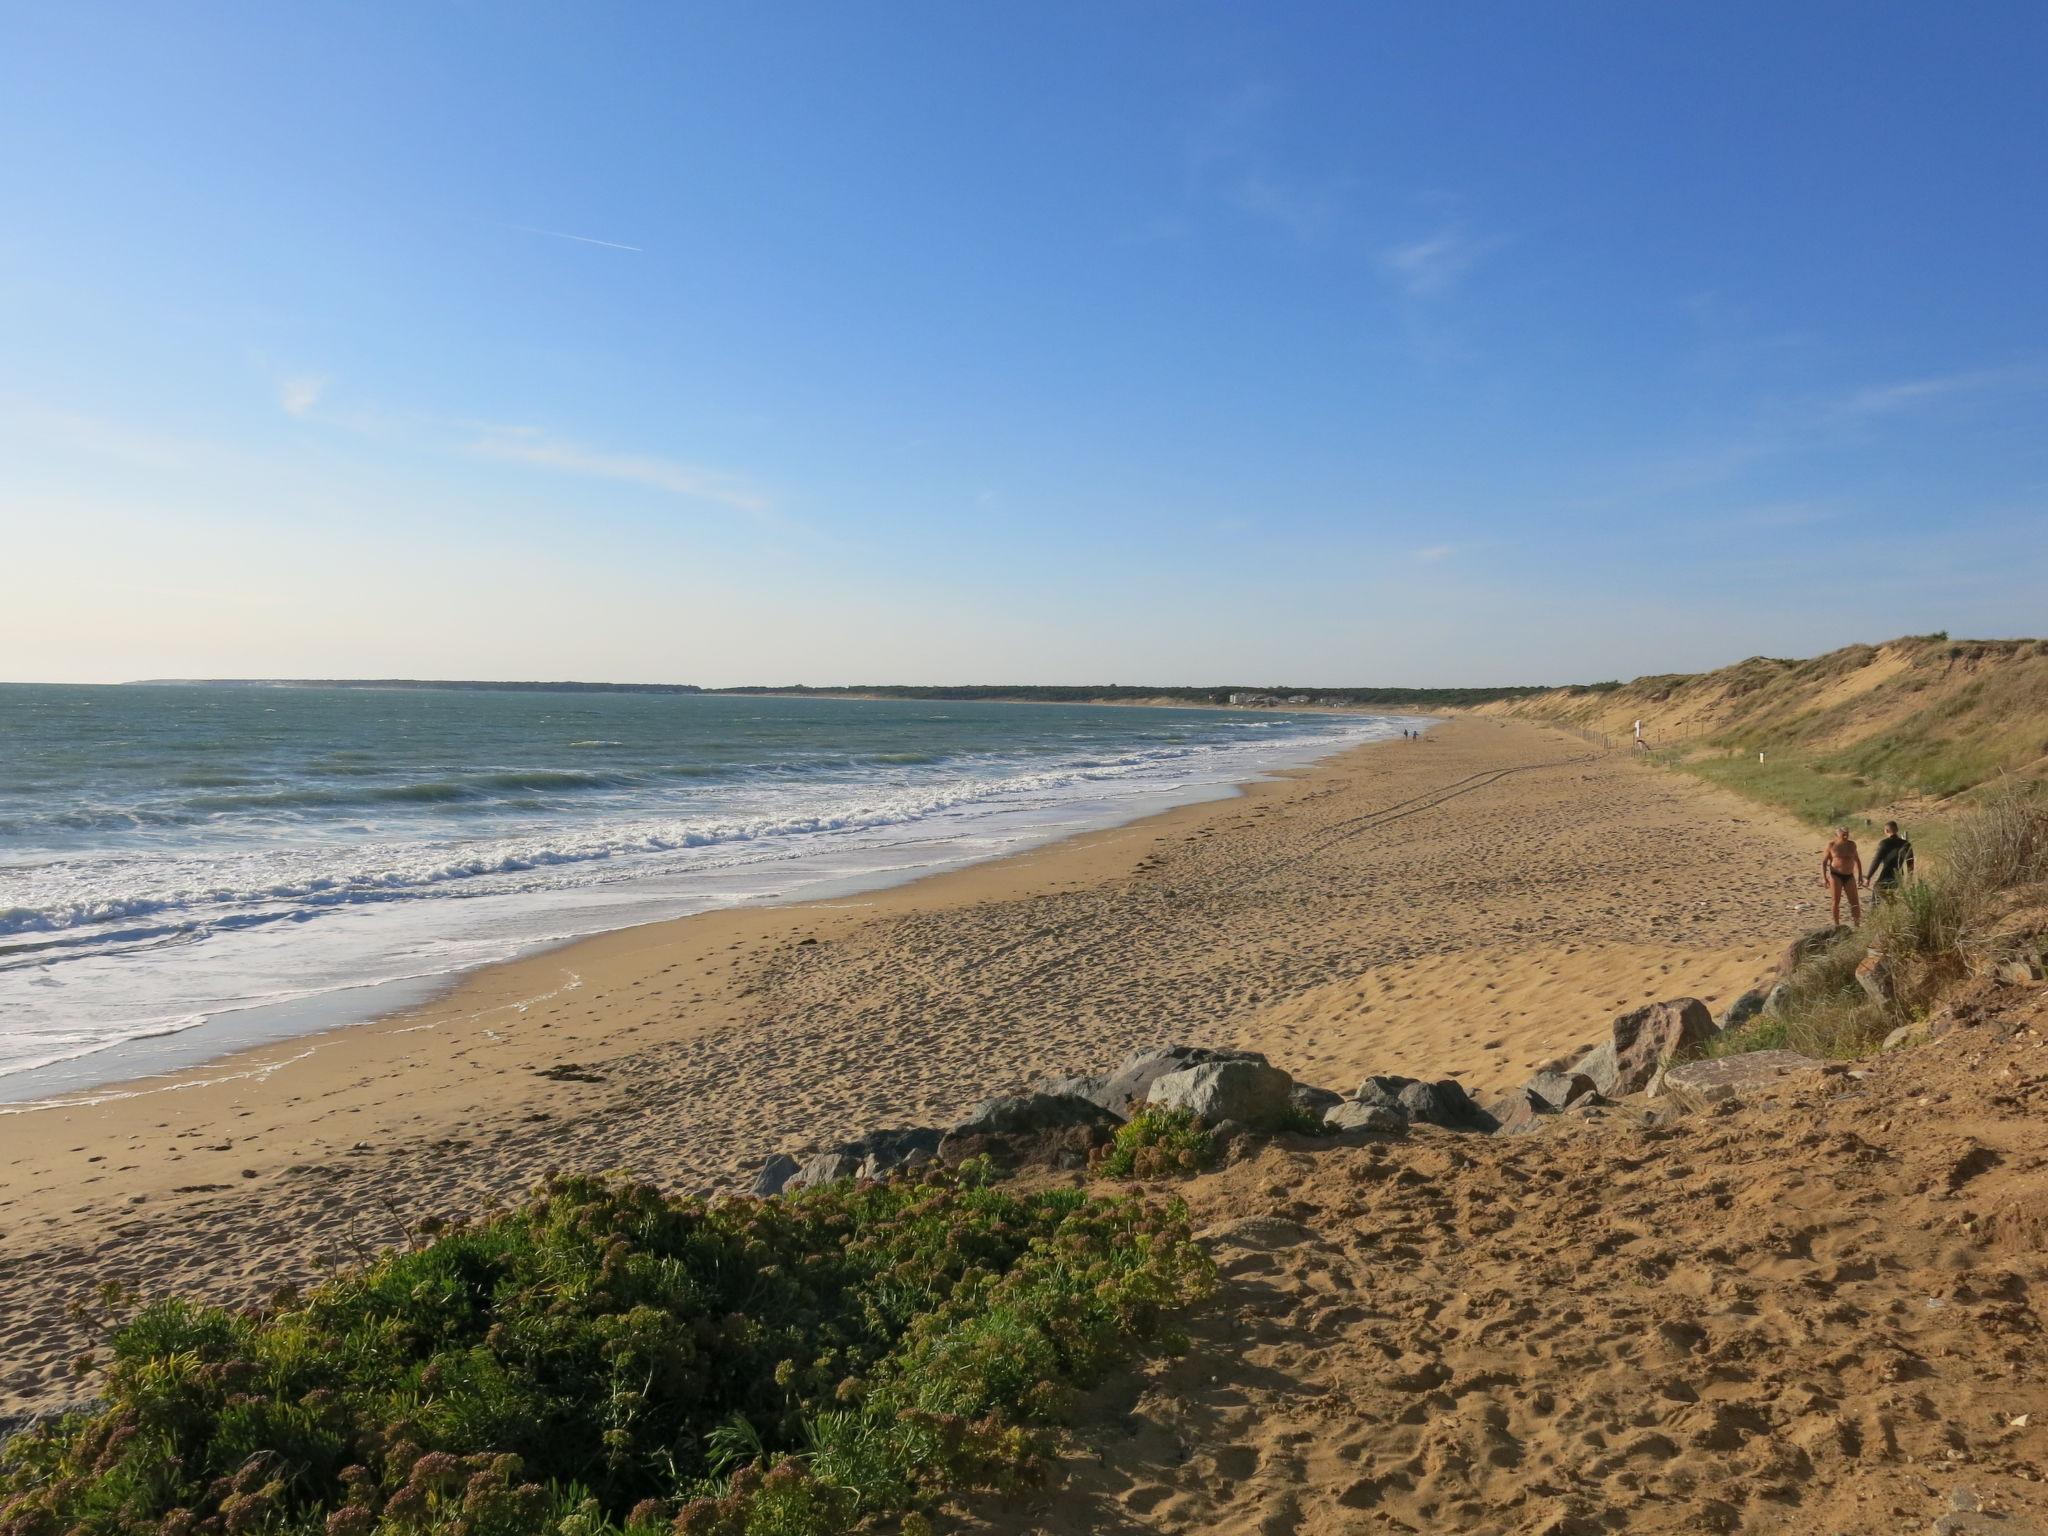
<point>1435,264</point>
<point>298,396</point>
<point>1434,554</point>
<point>558,234</point>
<point>1230,160</point>
<point>1891,399</point>
<point>530,445</point>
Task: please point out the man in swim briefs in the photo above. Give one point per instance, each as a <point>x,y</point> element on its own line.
<point>1841,866</point>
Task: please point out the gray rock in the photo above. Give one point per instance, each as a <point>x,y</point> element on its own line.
<point>1015,1114</point>
<point>1442,1103</point>
<point>1034,1129</point>
<point>774,1173</point>
<point>872,1156</point>
<point>1126,1090</point>
<point>1215,1091</point>
<point>1561,1090</point>
<point>1642,1041</point>
<point>1347,1115</point>
<point>1754,1074</point>
<point>1776,1000</point>
<point>1314,1102</point>
<point>1519,1112</point>
<point>1743,1009</point>
<point>1969,1522</point>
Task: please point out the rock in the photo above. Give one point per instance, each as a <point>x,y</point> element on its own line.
<point>1519,1112</point>
<point>1643,1041</point>
<point>1314,1102</point>
<point>1743,1009</point>
<point>1124,1091</point>
<point>774,1174</point>
<point>1015,1113</point>
<point>1031,1130</point>
<point>1442,1103</point>
<point>1875,978</point>
<point>869,1157</point>
<point>1968,1522</point>
<point>1754,1074</point>
<point>1805,947</point>
<point>1215,1091</point>
<point>1776,1000</point>
<point>1348,1116</point>
<point>1906,1035</point>
<point>1561,1090</point>
<point>1384,1091</point>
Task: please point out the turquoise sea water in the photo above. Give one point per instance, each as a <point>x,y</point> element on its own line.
<point>183,869</point>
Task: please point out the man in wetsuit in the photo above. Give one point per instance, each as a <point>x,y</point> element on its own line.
<point>1841,866</point>
<point>1890,865</point>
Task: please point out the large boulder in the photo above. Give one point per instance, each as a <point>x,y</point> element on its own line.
<point>1247,1091</point>
<point>1126,1090</point>
<point>872,1156</point>
<point>1642,1041</point>
<point>1031,1129</point>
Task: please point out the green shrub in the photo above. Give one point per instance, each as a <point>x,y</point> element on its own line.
<point>606,1359</point>
<point>1158,1144</point>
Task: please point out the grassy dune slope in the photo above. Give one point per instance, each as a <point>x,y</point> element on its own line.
<point>1856,731</point>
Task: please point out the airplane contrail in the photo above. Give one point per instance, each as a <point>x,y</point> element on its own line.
<point>556,234</point>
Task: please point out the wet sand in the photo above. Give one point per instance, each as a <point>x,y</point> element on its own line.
<point>1468,906</point>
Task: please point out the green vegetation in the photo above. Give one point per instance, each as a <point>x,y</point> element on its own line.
<point>609,1359</point>
<point>1157,1144</point>
<point>1857,730</point>
<point>1986,899</point>
<point>1810,793</point>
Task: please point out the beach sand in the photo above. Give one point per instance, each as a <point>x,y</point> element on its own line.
<point>1467,905</point>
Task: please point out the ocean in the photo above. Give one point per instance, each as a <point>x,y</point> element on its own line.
<point>186,870</point>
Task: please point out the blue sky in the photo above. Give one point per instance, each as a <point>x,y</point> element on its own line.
<point>1332,343</point>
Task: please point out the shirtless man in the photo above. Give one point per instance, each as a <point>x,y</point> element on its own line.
<point>1841,866</point>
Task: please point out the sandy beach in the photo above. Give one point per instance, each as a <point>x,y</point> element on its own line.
<point>1463,906</point>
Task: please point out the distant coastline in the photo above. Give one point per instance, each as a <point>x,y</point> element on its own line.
<point>1221,696</point>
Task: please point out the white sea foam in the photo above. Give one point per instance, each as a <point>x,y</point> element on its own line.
<point>306,913</point>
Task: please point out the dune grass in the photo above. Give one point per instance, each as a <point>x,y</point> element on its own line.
<point>609,1359</point>
<point>1936,931</point>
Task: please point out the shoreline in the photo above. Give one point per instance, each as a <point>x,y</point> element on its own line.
<point>1335,915</point>
<point>217,1032</point>
<point>229,1033</point>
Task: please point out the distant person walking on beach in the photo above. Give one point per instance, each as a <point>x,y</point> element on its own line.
<point>1841,866</point>
<point>1891,864</point>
